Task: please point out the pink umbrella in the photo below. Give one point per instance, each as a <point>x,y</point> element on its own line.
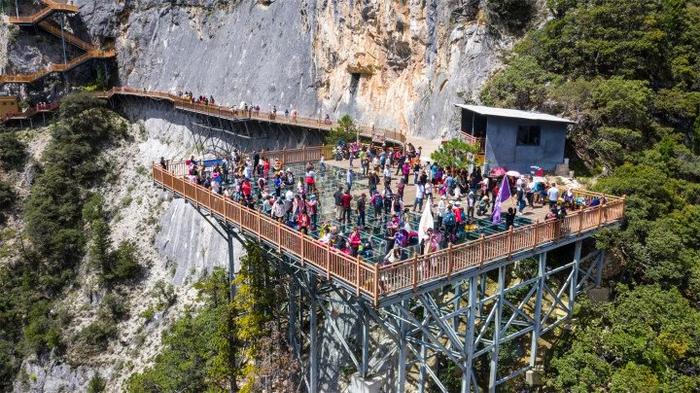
<point>497,171</point>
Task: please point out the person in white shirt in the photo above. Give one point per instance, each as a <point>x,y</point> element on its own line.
<point>553,195</point>
<point>441,210</point>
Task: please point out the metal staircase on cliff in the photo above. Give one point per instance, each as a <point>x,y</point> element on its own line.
<point>39,19</point>
<point>51,7</point>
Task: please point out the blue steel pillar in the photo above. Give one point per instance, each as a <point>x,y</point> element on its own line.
<point>313,336</point>
<point>574,278</point>
<point>498,316</point>
<point>403,330</point>
<point>537,317</point>
<point>467,372</point>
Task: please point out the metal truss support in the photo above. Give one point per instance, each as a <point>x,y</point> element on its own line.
<point>466,321</point>
<point>402,358</point>
<point>364,340</point>
<point>468,369</point>
<point>537,317</point>
<point>599,269</point>
<point>493,364</point>
<point>313,336</point>
<point>574,278</point>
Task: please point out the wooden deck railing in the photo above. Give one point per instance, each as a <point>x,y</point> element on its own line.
<point>51,6</point>
<point>28,78</point>
<point>225,111</point>
<point>372,280</point>
<point>30,112</point>
<point>54,29</point>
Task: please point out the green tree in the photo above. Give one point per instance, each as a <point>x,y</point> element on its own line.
<point>345,131</point>
<point>13,152</point>
<point>455,153</point>
<point>8,197</point>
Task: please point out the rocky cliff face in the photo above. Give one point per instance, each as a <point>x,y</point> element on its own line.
<point>392,64</point>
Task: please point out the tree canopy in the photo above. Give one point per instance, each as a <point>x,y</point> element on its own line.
<point>628,72</point>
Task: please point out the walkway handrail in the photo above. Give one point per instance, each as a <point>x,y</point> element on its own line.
<point>51,6</point>
<point>315,123</point>
<point>354,272</point>
<point>410,273</point>
<point>63,67</point>
<point>52,28</point>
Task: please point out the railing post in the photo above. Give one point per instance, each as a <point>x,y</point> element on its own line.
<point>328,261</point>
<point>450,260</point>
<point>279,237</point>
<point>537,234</point>
<point>415,272</point>
<point>258,218</point>
<point>357,276</point>
<point>510,242</point>
<point>301,243</point>
<point>580,220</point>
<point>600,214</point>
<point>482,250</point>
<point>376,284</point>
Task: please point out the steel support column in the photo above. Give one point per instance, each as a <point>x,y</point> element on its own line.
<point>574,277</point>
<point>599,268</point>
<point>401,366</point>
<point>364,340</point>
<point>493,369</point>
<point>313,336</point>
<point>537,317</point>
<point>422,365</point>
<point>456,305</point>
<point>468,369</point>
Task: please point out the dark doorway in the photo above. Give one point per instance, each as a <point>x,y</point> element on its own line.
<point>354,83</point>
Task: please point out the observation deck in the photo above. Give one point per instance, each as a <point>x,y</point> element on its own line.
<point>384,284</point>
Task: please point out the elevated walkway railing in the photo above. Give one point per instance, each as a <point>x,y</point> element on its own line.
<point>29,78</point>
<point>372,280</point>
<point>30,112</point>
<point>51,7</point>
<point>220,110</point>
<point>54,29</point>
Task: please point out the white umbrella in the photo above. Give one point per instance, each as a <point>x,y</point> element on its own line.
<point>513,173</point>
<point>426,221</point>
<point>539,179</point>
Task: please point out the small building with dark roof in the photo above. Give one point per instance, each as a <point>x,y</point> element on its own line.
<point>516,139</point>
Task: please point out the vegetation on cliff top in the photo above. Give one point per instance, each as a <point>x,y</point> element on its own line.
<point>629,73</point>
<point>54,224</point>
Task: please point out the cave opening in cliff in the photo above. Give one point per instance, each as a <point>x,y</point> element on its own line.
<point>354,82</point>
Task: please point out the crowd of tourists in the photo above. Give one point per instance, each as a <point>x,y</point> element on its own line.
<point>457,198</point>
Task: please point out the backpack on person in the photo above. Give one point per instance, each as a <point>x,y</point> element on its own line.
<point>449,219</point>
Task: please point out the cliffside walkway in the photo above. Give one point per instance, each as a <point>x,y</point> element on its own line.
<point>38,19</point>
<point>29,78</point>
<point>389,282</point>
<point>51,7</point>
<point>225,112</point>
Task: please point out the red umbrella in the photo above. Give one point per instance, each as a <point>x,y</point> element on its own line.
<point>497,171</point>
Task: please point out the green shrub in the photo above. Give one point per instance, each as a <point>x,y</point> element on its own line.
<point>513,15</point>
<point>97,384</point>
<point>13,152</point>
<point>124,263</point>
<point>7,199</point>
<point>96,336</point>
<point>114,306</point>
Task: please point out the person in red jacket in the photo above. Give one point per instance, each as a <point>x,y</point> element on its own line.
<point>345,203</point>
<point>355,240</point>
<point>303,221</point>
